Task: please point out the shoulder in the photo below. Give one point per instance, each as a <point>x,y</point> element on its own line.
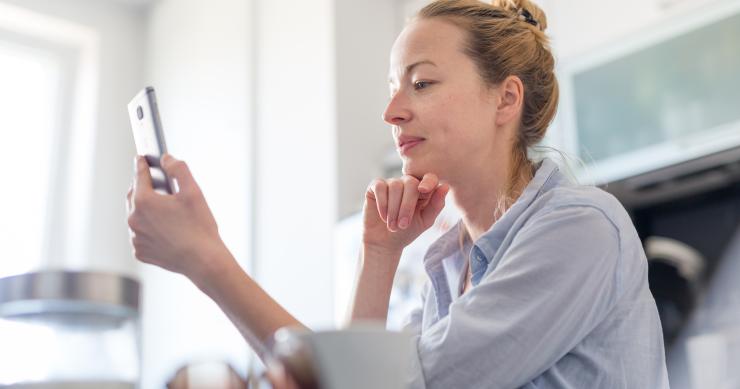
<point>588,219</point>
<point>559,192</point>
<point>583,219</point>
<point>585,201</point>
<point>578,219</point>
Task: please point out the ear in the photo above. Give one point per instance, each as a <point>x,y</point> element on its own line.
<point>510,101</point>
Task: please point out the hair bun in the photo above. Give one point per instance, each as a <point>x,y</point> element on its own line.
<point>526,11</point>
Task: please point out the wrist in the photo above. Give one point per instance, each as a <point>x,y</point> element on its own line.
<point>380,258</point>
<point>214,261</point>
<point>381,251</point>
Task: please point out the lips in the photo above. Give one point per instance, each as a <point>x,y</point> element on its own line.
<point>406,143</point>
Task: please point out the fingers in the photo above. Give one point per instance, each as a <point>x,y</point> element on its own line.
<point>408,201</point>
<point>141,188</point>
<point>280,378</point>
<point>428,183</point>
<point>395,195</point>
<point>129,195</point>
<point>426,187</point>
<point>397,199</point>
<point>436,203</point>
<point>179,171</point>
<point>379,191</point>
<point>129,208</point>
<point>143,181</point>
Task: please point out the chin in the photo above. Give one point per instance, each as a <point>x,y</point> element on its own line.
<point>416,168</point>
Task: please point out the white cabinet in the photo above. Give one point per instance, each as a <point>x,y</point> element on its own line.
<point>664,96</point>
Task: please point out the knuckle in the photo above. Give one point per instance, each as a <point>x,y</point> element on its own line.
<point>133,222</point>
<point>138,255</point>
<point>136,249</point>
<point>135,246</point>
<point>178,165</point>
<point>395,184</point>
<point>377,183</point>
<point>141,165</point>
<point>408,179</point>
<point>141,200</point>
<point>191,197</point>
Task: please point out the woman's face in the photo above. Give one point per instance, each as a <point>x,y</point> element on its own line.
<point>442,113</point>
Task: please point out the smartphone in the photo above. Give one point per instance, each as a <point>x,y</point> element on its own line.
<point>149,136</point>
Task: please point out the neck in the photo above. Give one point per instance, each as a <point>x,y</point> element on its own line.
<point>481,198</point>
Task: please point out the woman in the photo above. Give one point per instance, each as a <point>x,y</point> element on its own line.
<point>542,284</point>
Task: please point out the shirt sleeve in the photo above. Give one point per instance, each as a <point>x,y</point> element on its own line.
<point>412,323</point>
<point>554,285</point>
<point>413,326</point>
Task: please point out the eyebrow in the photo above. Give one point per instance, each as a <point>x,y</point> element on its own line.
<point>411,67</point>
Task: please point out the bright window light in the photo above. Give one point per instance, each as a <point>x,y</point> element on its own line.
<point>28,102</point>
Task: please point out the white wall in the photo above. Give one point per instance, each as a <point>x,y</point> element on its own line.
<point>247,94</point>
<point>199,61</point>
<point>365,31</point>
<point>296,155</point>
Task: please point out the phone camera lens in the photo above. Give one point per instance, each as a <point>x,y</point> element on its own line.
<point>139,112</point>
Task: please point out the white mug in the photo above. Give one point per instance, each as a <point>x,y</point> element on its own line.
<point>359,357</point>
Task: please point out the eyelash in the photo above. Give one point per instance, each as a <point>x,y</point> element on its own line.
<point>418,85</point>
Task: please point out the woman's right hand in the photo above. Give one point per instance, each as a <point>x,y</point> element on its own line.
<point>398,210</point>
<point>176,232</point>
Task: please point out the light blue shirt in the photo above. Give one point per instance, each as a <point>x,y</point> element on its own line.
<point>560,299</point>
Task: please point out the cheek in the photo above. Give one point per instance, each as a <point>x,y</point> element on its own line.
<point>475,114</point>
<point>461,120</point>
<point>443,115</point>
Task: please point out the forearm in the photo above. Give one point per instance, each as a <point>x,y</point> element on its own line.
<point>374,284</point>
<point>255,314</point>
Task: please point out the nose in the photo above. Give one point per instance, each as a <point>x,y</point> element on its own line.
<point>397,111</point>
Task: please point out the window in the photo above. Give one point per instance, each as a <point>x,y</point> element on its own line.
<point>30,80</point>
<point>48,74</point>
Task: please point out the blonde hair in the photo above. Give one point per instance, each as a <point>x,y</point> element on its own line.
<point>507,38</point>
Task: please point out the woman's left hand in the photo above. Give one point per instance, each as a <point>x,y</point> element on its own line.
<point>176,232</point>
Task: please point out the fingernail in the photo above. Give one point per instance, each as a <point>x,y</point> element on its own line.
<point>404,222</point>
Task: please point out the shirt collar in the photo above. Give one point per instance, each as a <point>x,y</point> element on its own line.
<point>444,247</point>
<point>490,241</point>
<point>486,246</point>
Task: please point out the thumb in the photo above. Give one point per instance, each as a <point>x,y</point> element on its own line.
<point>179,171</point>
<point>436,203</point>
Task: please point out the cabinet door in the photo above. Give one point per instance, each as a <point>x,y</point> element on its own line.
<point>661,97</point>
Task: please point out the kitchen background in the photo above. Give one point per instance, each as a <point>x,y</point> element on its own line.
<point>270,102</point>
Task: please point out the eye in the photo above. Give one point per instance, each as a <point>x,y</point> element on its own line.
<point>418,85</point>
